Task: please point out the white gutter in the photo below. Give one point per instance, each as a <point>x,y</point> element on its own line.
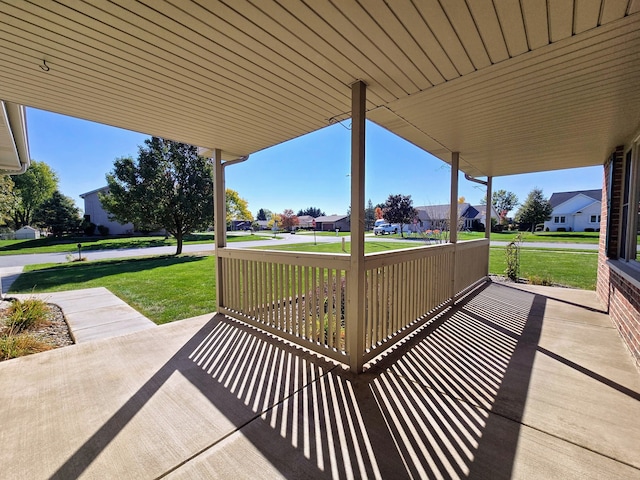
<point>476,180</point>
<point>236,160</point>
<point>15,118</point>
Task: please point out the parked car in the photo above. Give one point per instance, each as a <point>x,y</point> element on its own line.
<point>385,228</point>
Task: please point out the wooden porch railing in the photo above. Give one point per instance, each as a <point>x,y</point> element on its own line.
<point>302,296</point>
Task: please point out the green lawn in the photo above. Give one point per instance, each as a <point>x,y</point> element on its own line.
<point>369,247</point>
<point>69,244</point>
<point>169,288</point>
<point>323,234</point>
<point>575,268</point>
<point>565,267</point>
<point>163,289</point>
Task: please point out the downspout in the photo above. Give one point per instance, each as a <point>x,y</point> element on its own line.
<point>14,117</point>
<point>474,179</point>
<point>220,224</point>
<point>236,160</point>
<point>488,215</point>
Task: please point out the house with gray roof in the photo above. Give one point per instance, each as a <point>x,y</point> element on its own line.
<point>576,211</point>
<point>437,217</point>
<point>329,223</point>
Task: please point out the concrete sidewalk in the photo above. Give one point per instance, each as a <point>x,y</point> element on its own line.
<point>94,313</point>
<point>508,384</point>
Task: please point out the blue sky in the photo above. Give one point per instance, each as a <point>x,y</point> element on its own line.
<point>310,171</point>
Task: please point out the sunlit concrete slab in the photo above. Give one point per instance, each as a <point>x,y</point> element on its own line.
<point>492,389</point>
<point>94,313</point>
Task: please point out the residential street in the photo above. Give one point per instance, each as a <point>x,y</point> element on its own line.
<point>35,258</point>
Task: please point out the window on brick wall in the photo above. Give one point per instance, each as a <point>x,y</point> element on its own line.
<point>630,205</point>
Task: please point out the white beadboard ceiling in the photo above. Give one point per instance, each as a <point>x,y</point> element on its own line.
<point>514,86</point>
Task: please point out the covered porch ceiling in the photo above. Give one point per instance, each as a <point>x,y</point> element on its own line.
<point>515,87</point>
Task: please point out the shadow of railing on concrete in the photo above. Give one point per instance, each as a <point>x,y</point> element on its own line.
<point>425,409</point>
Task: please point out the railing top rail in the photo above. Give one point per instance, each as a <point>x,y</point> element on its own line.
<point>323,260</point>
<point>478,242</point>
<point>380,259</point>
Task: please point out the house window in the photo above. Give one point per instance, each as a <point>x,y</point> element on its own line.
<point>559,219</point>
<point>630,211</point>
<point>594,219</point>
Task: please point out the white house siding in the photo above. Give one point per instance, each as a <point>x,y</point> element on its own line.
<point>27,233</point>
<point>574,214</point>
<point>98,215</point>
<point>583,220</point>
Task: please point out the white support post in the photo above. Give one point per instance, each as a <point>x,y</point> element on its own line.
<point>453,214</point>
<point>356,276</point>
<point>219,221</point>
<point>453,219</point>
<point>488,215</point>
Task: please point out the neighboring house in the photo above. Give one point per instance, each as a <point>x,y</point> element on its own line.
<point>432,217</point>
<point>575,211</point>
<point>94,213</point>
<point>305,221</point>
<point>332,222</point>
<point>27,233</point>
<point>263,224</point>
<point>240,225</point>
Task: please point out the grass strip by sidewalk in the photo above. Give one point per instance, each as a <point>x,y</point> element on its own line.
<point>164,289</point>
<point>573,268</point>
<point>69,244</point>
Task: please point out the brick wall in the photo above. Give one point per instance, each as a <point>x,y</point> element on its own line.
<point>616,291</point>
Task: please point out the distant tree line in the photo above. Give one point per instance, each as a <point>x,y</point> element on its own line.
<point>33,199</point>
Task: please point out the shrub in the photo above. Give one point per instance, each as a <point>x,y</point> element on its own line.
<point>13,346</point>
<point>589,229</point>
<point>89,228</point>
<point>512,254</point>
<point>104,231</point>
<point>561,229</point>
<point>545,280</point>
<point>25,315</point>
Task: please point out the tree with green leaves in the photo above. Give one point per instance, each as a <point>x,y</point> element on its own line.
<point>312,212</point>
<point>535,209</point>
<point>262,215</point>
<point>30,191</point>
<point>6,198</point>
<point>168,186</point>
<point>399,209</point>
<point>503,202</point>
<point>237,207</point>
<point>369,216</point>
<point>59,214</point>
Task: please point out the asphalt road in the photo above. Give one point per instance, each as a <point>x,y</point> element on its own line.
<point>35,258</point>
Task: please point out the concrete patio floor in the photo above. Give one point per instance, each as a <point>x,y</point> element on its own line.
<point>509,384</point>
